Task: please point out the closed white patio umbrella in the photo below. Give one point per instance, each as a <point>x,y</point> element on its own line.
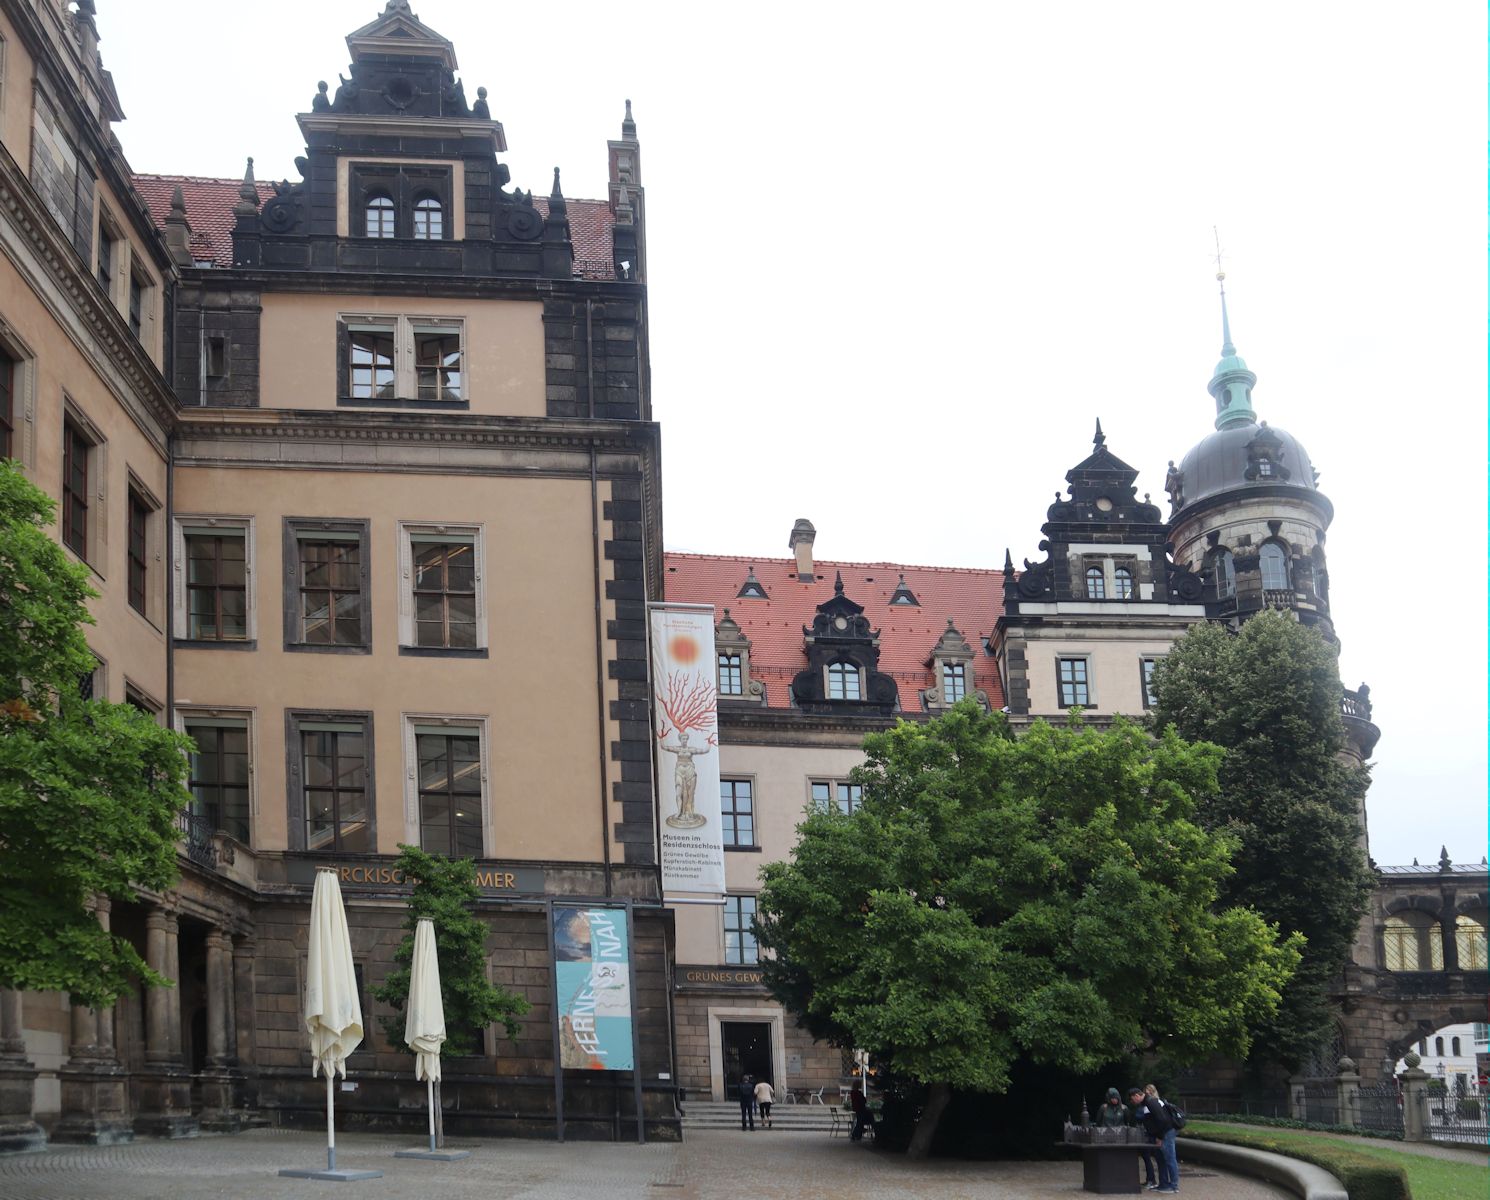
<point>424,1030</point>
<point>333,1013</point>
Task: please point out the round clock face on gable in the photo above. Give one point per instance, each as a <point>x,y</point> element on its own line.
<point>1104,504</point>
<point>840,623</point>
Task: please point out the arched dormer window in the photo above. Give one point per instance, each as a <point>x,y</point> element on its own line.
<point>843,681</point>
<point>429,219</point>
<point>379,215</point>
<point>1273,561</point>
<point>1096,584</point>
<point>1122,583</point>
<point>1412,942</point>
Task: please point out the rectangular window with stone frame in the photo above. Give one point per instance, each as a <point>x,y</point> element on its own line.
<point>1073,682</point>
<point>327,593</point>
<point>329,771</point>
<point>731,681</point>
<point>413,362</point>
<point>442,591</point>
<point>219,779</point>
<point>10,371</point>
<point>737,813</point>
<point>451,797</point>
<point>418,201</point>
<point>954,682</point>
<point>740,948</point>
<point>828,795</point>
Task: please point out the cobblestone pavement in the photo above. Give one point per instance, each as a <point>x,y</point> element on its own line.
<point>723,1164</point>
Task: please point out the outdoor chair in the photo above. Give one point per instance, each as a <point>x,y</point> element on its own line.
<point>838,1119</point>
<point>816,1097</point>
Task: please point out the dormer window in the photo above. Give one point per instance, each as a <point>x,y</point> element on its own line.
<point>843,681</point>
<point>1122,583</point>
<point>379,216</point>
<point>1225,570</point>
<point>1096,584</point>
<point>429,219</point>
<point>731,680</point>
<point>954,682</point>
<point>1264,467</point>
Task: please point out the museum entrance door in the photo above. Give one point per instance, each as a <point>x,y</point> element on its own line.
<point>747,1051</point>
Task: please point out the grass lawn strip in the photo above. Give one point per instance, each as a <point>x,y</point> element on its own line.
<point>1428,1178</point>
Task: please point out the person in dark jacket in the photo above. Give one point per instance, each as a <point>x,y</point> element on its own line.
<point>1149,1157</point>
<point>1112,1114</point>
<point>1153,1114</point>
<point>861,1114</point>
<point>746,1092</point>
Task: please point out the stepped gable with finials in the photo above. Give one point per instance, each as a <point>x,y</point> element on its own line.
<point>910,629</point>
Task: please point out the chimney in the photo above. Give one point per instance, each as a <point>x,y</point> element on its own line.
<point>803,535</point>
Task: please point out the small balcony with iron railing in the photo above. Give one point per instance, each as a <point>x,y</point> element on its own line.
<point>202,842</point>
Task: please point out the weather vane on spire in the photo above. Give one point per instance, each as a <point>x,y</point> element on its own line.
<point>1220,274</point>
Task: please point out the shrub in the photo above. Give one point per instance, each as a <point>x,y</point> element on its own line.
<point>1363,1177</point>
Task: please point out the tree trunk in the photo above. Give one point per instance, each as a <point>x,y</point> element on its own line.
<point>937,1100</point>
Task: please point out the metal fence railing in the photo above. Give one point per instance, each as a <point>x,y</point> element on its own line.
<point>1455,1114</point>
<point>1379,1107</point>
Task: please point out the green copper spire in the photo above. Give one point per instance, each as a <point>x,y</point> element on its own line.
<point>1231,383</point>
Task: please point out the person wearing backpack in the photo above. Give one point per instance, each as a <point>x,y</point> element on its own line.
<point>1160,1121</point>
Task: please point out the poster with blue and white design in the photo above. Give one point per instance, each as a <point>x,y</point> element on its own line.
<point>592,971</point>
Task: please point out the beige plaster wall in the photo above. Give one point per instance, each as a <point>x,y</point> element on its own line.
<point>131,257</point>
<point>1113,666</point>
<point>537,689</point>
<point>132,646</point>
<point>15,95</point>
<point>504,368</point>
<point>780,775</point>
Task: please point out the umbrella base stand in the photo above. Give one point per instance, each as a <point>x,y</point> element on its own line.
<point>434,1155</point>
<point>341,1173</point>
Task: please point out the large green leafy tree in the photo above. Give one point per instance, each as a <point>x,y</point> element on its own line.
<point>89,791</point>
<point>995,900</point>
<point>445,891</point>
<point>1269,694</point>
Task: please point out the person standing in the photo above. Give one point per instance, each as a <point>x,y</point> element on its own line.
<point>861,1114</point>
<point>746,1092</point>
<point>1153,1114</point>
<point>763,1099</point>
<point>1146,1154</point>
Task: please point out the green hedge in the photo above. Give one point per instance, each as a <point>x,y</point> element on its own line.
<point>1291,1123</point>
<point>1364,1177</point>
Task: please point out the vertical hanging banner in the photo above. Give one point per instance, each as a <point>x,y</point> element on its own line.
<point>686,721</point>
<point>592,972</point>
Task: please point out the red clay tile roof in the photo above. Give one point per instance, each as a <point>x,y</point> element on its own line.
<point>209,210</point>
<point>973,599</point>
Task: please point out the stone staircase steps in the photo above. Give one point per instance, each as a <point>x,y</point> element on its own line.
<point>789,1118</point>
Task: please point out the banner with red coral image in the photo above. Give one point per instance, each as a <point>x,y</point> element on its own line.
<point>687,728</point>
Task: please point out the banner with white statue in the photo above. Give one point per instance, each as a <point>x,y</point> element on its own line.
<point>687,727</point>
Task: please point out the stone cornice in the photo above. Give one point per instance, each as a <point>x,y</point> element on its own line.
<point>349,425</point>
<point>789,727</point>
<point>443,286</point>
<point>27,232</point>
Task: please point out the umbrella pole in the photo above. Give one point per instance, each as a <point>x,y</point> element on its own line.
<point>330,1126</point>
<point>429,1085</point>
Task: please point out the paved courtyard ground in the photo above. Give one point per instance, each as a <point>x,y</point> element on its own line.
<point>723,1164</point>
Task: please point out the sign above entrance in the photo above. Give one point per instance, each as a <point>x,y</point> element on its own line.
<point>715,977</point>
<point>686,722</point>
<point>370,873</point>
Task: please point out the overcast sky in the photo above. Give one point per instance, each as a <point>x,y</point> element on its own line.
<point>903,256</point>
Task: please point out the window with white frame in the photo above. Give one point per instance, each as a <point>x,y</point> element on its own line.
<point>220,771</point>
<point>1122,583</point>
<point>737,811</point>
<point>1273,561</point>
<point>213,579</point>
<point>402,358</point>
<point>954,682</point>
<point>843,681</point>
<point>442,593</point>
<point>1096,583</point>
<point>739,931</point>
<point>450,795</point>
<point>836,794</point>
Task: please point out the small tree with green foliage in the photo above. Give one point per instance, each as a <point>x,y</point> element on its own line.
<point>445,892</point>
<point>1269,694</point>
<point>89,791</point>
<point>1047,898</point>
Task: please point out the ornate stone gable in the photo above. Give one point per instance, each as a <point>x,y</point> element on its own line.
<point>840,636</point>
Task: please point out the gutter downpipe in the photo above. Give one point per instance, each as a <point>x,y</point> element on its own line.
<point>599,600</point>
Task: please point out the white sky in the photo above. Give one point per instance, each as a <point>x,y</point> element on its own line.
<point>901,258</point>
